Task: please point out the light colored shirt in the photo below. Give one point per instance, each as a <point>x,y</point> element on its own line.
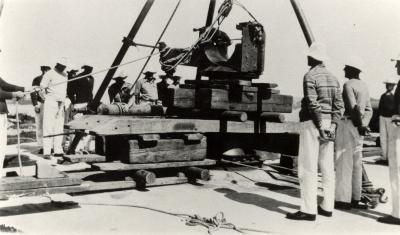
<point>58,92</point>
<point>355,92</point>
<point>322,95</point>
<point>146,89</point>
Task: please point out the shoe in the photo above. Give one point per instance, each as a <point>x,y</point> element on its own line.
<point>58,155</point>
<point>47,157</point>
<point>342,205</point>
<point>389,220</point>
<point>40,151</point>
<point>382,162</point>
<point>356,204</point>
<point>324,212</point>
<point>300,216</point>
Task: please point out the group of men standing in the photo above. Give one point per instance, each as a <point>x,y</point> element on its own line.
<point>60,89</point>
<point>333,125</point>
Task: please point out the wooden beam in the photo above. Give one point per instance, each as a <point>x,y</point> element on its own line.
<point>118,166</point>
<point>20,183</point>
<point>74,158</point>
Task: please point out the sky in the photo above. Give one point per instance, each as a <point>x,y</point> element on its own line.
<point>40,32</point>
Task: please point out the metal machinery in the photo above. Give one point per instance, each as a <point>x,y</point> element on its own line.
<point>203,118</point>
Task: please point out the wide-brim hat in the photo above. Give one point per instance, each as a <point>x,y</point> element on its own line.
<point>317,51</point>
<point>86,66</point>
<point>355,62</point>
<point>45,67</point>
<point>176,78</point>
<point>393,81</point>
<point>149,73</point>
<point>121,75</point>
<point>397,58</point>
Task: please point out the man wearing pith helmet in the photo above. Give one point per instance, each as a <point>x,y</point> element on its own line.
<point>321,110</point>
<point>394,157</point>
<point>385,112</point>
<point>350,134</point>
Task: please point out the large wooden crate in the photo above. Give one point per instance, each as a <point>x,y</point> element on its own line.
<point>166,150</point>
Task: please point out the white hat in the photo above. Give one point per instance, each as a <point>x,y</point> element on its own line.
<point>317,51</point>
<point>121,74</point>
<point>391,81</point>
<point>397,58</point>
<point>355,62</point>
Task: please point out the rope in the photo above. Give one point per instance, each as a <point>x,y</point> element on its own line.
<point>158,40</point>
<point>221,16</point>
<point>91,74</point>
<point>245,9</point>
<point>18,138</point>
<point>212,224</point>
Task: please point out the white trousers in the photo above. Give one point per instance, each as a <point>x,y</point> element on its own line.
<point>39,126</point>
<point>3,140</point>
<point>53,124</point>
<point>385,126</point>
<point>394,169</point>
<point>348,162</point>
<point>313,153</point>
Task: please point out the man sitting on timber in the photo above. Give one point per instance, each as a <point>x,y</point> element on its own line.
<point>145,90</point>
<point>349,138</point>
<point>116,88</point>
<point>321,109</point>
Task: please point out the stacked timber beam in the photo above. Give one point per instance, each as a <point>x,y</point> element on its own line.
<point>208,99</point>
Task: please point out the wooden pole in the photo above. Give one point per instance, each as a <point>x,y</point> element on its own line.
<point>194,173</point>
<point>305,27</point>
<point>234,116</point>
<point>121,54</point>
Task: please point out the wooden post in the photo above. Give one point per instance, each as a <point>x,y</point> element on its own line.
<point>121,54</point>
<point>234,116</point>
<point>272,117</point>
<point>305,27</point>
<point>143,177</point>
<point>194,173</point>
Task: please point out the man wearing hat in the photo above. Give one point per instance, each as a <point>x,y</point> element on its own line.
<point>175,82</point>
<point>394,157</point>
<point>54,84</point>
<point>162,88</point>
<point>385,112</point>
<point>145,90</point>
<point>321,110</point>
<point>116,88</point>
<point>349,138</point>
<point>7,92</point>
<point>37,102</point>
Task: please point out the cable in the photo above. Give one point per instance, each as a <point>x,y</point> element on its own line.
<point>91,74</point>
<point>158,40</point>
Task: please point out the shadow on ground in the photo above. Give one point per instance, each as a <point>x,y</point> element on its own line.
<point>257,200</point>
<point>37,208</point>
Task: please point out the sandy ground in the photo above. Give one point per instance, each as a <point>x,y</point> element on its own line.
<point>248,198</point>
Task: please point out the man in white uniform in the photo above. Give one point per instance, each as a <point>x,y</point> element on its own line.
<point>53,116</point>
<point>394,158</point>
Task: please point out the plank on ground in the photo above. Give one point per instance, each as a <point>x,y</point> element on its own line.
<point>74,158</point>
<point>17,183</point>
<point>44,191</point>
<point>118,166</point>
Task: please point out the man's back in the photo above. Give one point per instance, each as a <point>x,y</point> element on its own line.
<point>355,92</point>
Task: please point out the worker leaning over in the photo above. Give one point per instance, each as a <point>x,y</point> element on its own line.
<point>321,110</point>
<point>37,102</point>
<point>349,137</point>
<point>385,112</point>
<point>54,85</point>
<point>145,90</point>
<point>394,158</point>
<point>116,87</point>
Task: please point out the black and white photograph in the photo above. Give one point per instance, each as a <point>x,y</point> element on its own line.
<point>199,117</point>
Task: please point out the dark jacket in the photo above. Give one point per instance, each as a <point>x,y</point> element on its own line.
<point>81,90</point>
<point>386,105</point>
<point>35,96</point>
<point>6,90</point>
<point>114,89</point>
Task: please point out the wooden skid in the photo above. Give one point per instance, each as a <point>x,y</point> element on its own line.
<point>12,161</point>
<point>166,150</point>
<point>118,166</point>
<point>181,98</point>
<point>21,183</point>
<point>74,158</point>
<point>211,99</point>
